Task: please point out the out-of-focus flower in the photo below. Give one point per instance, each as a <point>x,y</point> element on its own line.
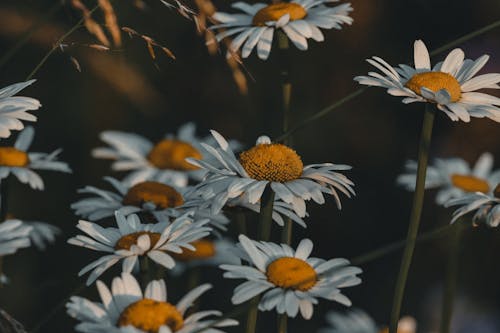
<point>14,235</point>
<point>289,280</point>
<point>164,161</point>
<point>299,20</point>
<point>266,164</point>
<point>21,163</point>
<point>14,109</point>
<point>450,85</point>
<point>133,239</point>
<point>42,233</point>
<point>353,321</point>
<point>160,200</point>
<point>126,309</point>
<point>207,253</point>
<point>454,178</point>
<point>486,208</point>
<point>358,321</point>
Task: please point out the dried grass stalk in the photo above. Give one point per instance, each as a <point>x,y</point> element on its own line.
<point>111,21</point>
<point>92,26</point>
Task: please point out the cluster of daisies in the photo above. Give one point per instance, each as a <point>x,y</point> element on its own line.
<point>175,208</point>
<point>174,204</point>
<point>17,162</point>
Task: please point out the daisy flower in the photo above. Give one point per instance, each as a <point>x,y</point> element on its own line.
<point>486,208</point>
<point>133,239</point>
<point>453,177</point>
<point>157,199</point>
<point>266,164</point>
<point>21,163</point>
<point>126,309</point>
<point>289,280</point>
<point>298,19</point>
<point>207,252</point>
<point>14,235</point>
<point>14,109</point>
<point>163,162</point>
<point>358,321</point>
<point>450,84</point>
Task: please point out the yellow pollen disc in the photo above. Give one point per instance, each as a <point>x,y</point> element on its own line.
<point>291,273</point>
<point>435,81</point>
<point>272,162</point>
<point>12,157</point>
<point>172,154</point>
<point>126,242</point>
<point>496,191</point>
<point>149,315</point>
<point>276,11</point>
<point>163,196</point>
<point>470,183</point>
<point>205,249</point>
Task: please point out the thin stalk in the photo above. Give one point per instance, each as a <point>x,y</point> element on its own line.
<point>320,114</point>
<point>145,270</point>
<point>3,212</point>
<point>393,247</point>
<point>241,224</point>
<point>58,43</point>
<point>286,92</point>
<point>418,202</point>
<point>28,33</point>
<point>286,87</point>
<point>266,211</point>
<point>266,220</point>
<point>450,285</point>
<point>252,315</point>
<point>282,323</point>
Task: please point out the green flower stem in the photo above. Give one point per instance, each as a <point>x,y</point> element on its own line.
<point>286,90</point>
<point>418,202</point>
<point>266,214</point>
<point>282,323</point>
<point>320,114</point>
<point>252,315</point>
<point>265,221</point>
<point>145,271</point>
<point>3,212</point>
<point>241,223</point>
<point>286,233</point>
<point>452,272</point>
<point>58,43</point>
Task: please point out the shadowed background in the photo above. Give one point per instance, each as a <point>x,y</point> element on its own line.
<point>124,89</point>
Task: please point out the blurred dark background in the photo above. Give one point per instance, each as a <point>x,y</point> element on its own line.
<point>125,89</point>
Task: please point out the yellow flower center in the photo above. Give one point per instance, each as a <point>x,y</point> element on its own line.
<point>276,11</point>
<point>291,273</point>
<point>272,162</point>
<point>126,242</point>
<point>149,315</point>
<point>204,249</point>
<point>172,154</point>
<point>12,157</point>
<point>496,191</point>
<point>435,81</point>
<point>470,183</point>
<point>163,196</point>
